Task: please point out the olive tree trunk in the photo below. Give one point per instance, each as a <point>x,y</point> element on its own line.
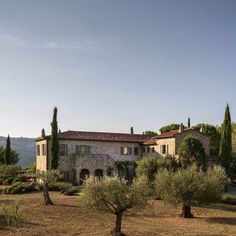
<point>186,212</point>
<point>47,200</point>
<point>117,231</point>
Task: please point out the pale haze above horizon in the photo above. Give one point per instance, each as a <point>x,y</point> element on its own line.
<point>109,65</point>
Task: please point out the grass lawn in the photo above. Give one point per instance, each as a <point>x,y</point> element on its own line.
<point>68,218</point>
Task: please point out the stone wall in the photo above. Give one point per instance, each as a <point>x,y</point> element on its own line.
<point>108,148</point>
<point>103,155</point>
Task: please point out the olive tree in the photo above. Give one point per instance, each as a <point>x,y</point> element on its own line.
<point>191,151</point>
<point>115,195</point>
<point>46,177</point>
<point>188,186</point>
<point>149,166</point>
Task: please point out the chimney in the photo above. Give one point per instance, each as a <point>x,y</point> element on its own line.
<point>181,128</point>
<point>43,133</point>
<point>131,130</point>
<point>201,129</point>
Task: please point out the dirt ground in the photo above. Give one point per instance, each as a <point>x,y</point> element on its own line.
<point>67,217</point>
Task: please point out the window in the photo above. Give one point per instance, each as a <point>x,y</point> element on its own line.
<point>38,150</point>
<point>143,149</point>
<point>130,150</point>
<point>148,149</point>
<point>153,149</point>
<point>126,151</point>
<point>63,149</point>
<point>164,149</point>
<point>44,149</point>
<point>136,151</point>
<point>82,149</point>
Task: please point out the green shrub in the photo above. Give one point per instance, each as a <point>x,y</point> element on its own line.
<point>19,187</point>
<point>9,171</point>
<point>12,216</point>
<point>149,166</point>
<point>20,178</point>
<point>8,181</point>
<point>59,186</point>
<point>70,191</point>
<point>228,199</point>
<point>15,180</point>
<point>32,168</point>
<point>188,187</point>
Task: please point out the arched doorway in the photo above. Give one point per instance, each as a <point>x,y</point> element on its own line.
<point>83,175</point>
<point>98,173</point>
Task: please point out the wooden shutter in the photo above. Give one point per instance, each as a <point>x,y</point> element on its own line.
<point>88,149</point>
<point>130,150</point>
<point>77,149</point>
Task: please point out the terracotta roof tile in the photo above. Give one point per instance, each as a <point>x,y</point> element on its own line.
<point>173,133</point>
<point>150,141</point>
<point>100,136</point>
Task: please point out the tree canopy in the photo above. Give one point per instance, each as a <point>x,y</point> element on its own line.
<point>150,133</point>
<point>54,148</point>
<point>225,153</point>
<point>191,151</point>
<point>149,166</point>
<point>213,132</point>
<point>169,127</point>
<point>190,186</point>
<point>14,156</point>
<point>8,151</point>
<point>189,123</point>
<point>115,195</point>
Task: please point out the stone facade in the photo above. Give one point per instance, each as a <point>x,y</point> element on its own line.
<point>102,151</point>
<point>100,160</point>
<point>172,140</point>
<point>102,156</point>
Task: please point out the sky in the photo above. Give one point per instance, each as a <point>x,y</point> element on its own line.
<point>108,65</point>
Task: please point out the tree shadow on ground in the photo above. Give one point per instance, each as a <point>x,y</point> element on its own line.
<point>65,205</point>
<point>222,220</point>
<point>7,201</point>
<point>223,207</point>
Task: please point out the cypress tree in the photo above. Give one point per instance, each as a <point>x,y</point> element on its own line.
<point>189,124</point>
<point>54,148</point>
<point>226,141</point>
<point>8,151</point>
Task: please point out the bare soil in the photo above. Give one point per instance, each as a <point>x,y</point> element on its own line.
<point>67,217</point>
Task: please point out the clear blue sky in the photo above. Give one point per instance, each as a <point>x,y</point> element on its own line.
<point>108,65</point>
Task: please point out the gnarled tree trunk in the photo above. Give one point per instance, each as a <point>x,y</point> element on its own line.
<point>47,200</point>
<point>117,231</point>
<point>186,211</point>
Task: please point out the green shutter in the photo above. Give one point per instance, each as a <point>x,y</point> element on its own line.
<point>66,150</point>
<point>88,149</point>
<point>130,150</point>
<point>77,149</point>
<point>122,150</point>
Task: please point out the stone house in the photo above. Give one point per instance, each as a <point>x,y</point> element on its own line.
<point>97,153</point>
<point>168,143</point>
<point>91,153</point>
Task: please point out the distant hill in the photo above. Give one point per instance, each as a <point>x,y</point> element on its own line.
<point>24,146</point>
